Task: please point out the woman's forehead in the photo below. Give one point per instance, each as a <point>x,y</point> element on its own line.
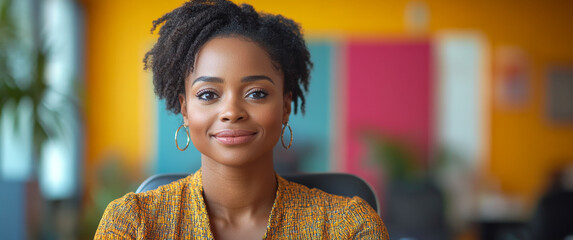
<point>223,56</point>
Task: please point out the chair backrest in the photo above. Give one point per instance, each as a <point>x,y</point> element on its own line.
<point>342,184</point>
<point>553,216</point>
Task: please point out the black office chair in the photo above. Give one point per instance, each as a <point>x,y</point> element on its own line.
<point>342,184</point>
<point>553,217</point>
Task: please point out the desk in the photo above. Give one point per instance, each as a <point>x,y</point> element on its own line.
<point>501,229</point>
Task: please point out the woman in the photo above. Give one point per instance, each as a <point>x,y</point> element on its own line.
<point>232,73</point>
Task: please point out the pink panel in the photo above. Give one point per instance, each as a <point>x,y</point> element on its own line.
<point>388,90</point>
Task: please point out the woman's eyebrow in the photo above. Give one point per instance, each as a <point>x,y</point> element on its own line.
<point>207,79</point>
<point>257,78</point>
<point>220,80</point>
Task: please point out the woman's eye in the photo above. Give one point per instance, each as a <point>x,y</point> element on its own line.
<point>258,94</point>
<point>206,95</point>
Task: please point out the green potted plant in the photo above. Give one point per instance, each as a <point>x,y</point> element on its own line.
<point>413,205</point>
<point>16,87</point>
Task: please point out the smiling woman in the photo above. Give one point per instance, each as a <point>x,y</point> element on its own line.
<point>235,116</point>
<point>234,75</point>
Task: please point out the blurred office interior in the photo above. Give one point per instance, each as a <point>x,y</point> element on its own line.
<point>458,113</point>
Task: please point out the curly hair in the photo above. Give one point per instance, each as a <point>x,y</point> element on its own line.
<point>187,28</point>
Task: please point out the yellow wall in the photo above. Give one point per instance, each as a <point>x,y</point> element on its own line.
<point>524,144</point>
<point>119,100</point>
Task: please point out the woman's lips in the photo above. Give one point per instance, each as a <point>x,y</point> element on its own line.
<point>234,137</point>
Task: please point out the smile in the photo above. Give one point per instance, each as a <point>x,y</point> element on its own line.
<point>234,137</point>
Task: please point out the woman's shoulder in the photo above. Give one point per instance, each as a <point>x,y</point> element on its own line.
<point>165,194</point>
<point>302,195</point>
<point>170,191</point>
<point>344,216</point>
<point>124,215</point>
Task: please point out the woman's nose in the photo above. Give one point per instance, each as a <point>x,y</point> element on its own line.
<point>232,111</point>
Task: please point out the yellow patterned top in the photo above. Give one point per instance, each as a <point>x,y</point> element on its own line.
<point>177,211</point>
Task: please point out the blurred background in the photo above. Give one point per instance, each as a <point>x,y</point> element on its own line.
<point>458,113</point>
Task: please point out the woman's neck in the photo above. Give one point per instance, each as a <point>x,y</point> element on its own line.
<point>239,195</point>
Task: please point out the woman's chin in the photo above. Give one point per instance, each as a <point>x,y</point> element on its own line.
<point>239,159</point>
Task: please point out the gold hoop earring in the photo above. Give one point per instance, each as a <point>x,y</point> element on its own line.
<point>187,132</point>
<point>283,136</point>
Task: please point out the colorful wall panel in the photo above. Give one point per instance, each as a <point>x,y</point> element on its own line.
<point>388,91</point>
<point>461,85</point>
<point>313,130</point>
<point>169,159</point>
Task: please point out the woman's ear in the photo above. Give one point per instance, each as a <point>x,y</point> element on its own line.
<point>287,106</point>
<point>183,104</point>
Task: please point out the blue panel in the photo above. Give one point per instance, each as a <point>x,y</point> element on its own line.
<point>169,158</point>
<point>13,210</point>
<point>312,137</point>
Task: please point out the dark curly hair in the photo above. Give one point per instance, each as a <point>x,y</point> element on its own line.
<point>188,27</point>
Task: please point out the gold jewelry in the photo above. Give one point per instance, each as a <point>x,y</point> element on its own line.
<point>187,132</point>
<point>283,135</point>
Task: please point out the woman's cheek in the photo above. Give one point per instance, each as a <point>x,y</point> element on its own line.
<point>199,123</point>
<point>273,121</point>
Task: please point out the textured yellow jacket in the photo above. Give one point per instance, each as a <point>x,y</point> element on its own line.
<point>177,211</point>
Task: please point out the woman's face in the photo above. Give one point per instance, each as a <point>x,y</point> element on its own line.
<point>234,103</point>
